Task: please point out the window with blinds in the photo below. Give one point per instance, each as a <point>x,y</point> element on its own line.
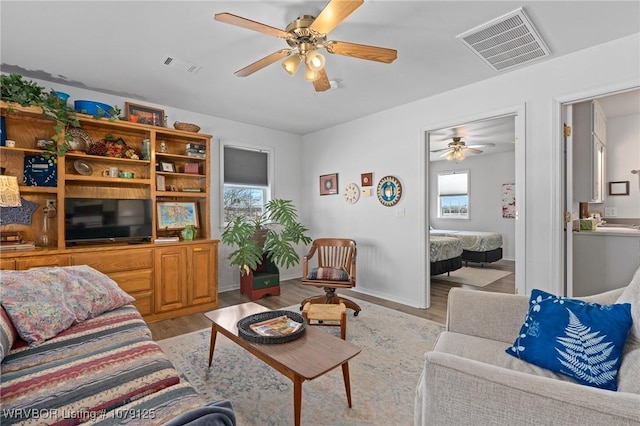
<point>246,182</point>
<point>453,195</point>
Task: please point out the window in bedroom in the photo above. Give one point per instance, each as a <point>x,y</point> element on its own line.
<point>246,181</point>
<point>453,195</point>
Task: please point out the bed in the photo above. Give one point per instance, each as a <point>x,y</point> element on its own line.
<point>480,247</point>
<point>445,254</point>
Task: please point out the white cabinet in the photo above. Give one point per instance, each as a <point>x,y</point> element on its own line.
<point>603,261</point>
<point>589,152</point>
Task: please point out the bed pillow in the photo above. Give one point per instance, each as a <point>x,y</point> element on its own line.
<point>575,338</point>
<point>42,302</point>
<point>333,274</point>
<point>8,333</point>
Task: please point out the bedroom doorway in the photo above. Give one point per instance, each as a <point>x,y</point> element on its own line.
<point>492,156</point>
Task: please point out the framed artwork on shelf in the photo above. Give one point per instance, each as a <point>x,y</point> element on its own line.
<point>329,184</point>
<point>160,183</point>
<point>177,215</point>
<point>167,167</point>
<point>619,188</point>
<point>144,114</point>
<point>366,179</point>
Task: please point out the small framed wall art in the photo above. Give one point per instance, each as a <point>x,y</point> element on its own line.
<point>619,188</point>
<point>329,184</point>
<point>167,167</point>
<point>144,114</point>
<point>366,179</point>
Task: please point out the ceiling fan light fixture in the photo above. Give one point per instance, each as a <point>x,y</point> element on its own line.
<point>310,74</point>
<point>459,154</point>
<point>450,155</point>
<point>315,60</point>
<point>292,63</point>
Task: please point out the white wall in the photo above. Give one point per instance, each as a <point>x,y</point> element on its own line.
<point>391,255</point>
<point>287,151</point>
<point>623,155</point>
<point>487,173</point>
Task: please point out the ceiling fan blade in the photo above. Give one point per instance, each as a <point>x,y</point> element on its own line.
<point>484,145</point>
<point>239,21</point>
<point>440,150</point>
<point>472,150</point>
<point>333,13</point>
<point>322,83</point>
<point>261,63</point>
<point>362,51</point>
<point>444,153</point>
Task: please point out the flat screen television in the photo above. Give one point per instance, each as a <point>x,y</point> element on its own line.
<point>104,220</point>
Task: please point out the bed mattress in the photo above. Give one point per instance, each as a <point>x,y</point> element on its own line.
<point>472,240</point>
<point>443,248</point>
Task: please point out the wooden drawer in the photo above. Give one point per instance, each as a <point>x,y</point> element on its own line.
<point>7,264</point>
<point>143,303</point>
<point>133,281</point>
<point>265,280</point>
<point>116,261</point>
<point>37,261</point>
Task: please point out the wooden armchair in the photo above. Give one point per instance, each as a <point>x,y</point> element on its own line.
<point>336,268</point>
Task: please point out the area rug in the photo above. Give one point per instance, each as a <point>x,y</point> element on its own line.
<point>478,277</point>
<point>383,376</point>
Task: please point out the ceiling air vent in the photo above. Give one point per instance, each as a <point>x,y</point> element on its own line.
<point>179,64</point>
<point>506,42</point>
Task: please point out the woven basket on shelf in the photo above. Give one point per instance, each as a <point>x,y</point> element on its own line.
<point>188,127</point>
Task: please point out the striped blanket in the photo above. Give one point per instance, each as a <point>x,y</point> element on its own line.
<point>104,371</point>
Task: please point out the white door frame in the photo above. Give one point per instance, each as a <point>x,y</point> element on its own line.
<point>519,113</point>
<point>560,257</point>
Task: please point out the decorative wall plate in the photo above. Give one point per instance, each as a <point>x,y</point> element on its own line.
<point>83,167</point>
<point>81,140</point>
<point>389,190</point>
<point>351,193</point>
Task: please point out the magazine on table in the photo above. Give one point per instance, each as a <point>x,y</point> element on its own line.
<point>279,326</point>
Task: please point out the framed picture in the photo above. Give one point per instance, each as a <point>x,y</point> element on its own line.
<point>329,184</point>
<point>619,188</point>
<point>366,179</point>
<point>177,215</point>
<point>167,167</point>
<point>144,114</point>
<point>160,185</point>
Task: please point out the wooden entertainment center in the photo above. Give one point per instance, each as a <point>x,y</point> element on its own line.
<point>167,279</point>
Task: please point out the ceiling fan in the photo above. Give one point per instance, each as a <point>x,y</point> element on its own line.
<point>457,148</point>
<point>306,36</point>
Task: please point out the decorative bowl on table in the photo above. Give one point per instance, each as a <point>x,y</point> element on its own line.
<point>246,332</point>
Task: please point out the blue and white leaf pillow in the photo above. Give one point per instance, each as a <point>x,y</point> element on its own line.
<point>575,338</point>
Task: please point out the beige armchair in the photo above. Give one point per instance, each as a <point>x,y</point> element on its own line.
<point>468,379</point>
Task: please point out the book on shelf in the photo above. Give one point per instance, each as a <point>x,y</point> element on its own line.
<point>166,240</point>
<point>27,245</point>
<point>279,326</point>
<point>191,190</point>
<point>11,236</point>
<point>196,146</point>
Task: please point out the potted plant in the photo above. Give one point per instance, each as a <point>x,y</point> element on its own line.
<point>28,93</point>
<point>272,233</point>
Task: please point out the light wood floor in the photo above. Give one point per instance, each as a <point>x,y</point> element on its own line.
<point>292,292</point>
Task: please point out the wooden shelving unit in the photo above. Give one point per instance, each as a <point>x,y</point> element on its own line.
<point>157,295</point>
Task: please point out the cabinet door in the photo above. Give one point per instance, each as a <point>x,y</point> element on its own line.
<point>599,161</point>
<point>203,272</point>
<point>170,279</point>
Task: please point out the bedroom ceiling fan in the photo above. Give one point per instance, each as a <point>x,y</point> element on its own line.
<point>306,36</point>
<point>457,148</point>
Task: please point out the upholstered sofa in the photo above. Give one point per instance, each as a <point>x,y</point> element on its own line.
<point>469,379</point>
<point>74,350</point>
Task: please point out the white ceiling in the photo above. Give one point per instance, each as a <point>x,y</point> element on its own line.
<point>117,47</point>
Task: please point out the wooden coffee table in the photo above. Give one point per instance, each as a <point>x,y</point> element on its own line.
<point>311,355</point>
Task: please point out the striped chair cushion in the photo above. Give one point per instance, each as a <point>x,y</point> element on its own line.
<point>333,274</point>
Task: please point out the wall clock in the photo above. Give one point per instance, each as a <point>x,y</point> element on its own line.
<point>389,191</point>
<point>351,193</point>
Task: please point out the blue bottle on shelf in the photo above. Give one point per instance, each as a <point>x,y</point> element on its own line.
<point>3,132</point>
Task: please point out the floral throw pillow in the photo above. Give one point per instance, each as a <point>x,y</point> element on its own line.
<point>575,338</point>
<point>42,302</point>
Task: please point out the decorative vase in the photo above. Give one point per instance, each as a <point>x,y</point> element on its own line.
<point>46,237</point>
<point>188,233</point>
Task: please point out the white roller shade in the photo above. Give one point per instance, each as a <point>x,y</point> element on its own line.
<point>452,184</point>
